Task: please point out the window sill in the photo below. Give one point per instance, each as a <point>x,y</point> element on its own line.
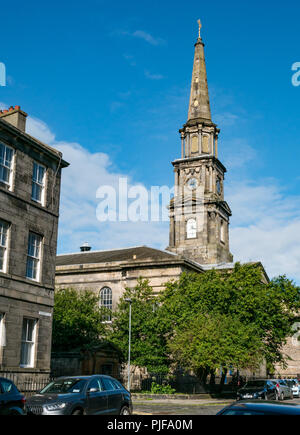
<point>40,203</point>
<point>36,281</point>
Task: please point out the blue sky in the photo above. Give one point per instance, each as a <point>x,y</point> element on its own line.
<point>109,85</point>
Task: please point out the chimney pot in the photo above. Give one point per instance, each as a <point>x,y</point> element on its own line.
<point>15,116</point>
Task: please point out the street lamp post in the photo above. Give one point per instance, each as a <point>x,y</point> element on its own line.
<point>129,343</point>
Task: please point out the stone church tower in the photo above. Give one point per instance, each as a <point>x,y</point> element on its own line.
<point>199,215</point>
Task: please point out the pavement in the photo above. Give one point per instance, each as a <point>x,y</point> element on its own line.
<point>179,407</point>
<point>183,407</point>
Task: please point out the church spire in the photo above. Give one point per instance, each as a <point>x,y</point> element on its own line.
<point>199,214</point>
<point>199,107</point>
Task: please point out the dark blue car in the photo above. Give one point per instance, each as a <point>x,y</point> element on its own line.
<point>12,402</point>
<point>260,408</point>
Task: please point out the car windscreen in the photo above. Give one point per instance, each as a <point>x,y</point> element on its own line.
<point>65,386</point>
<point>252,384</point>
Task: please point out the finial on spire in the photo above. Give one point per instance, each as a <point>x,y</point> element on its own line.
<point>200,27</point>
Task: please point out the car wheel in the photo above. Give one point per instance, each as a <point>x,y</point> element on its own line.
<point>125,411</point>
<point>14,412</point>
<point>77,412</point>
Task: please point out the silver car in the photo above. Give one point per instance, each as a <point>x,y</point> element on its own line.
<point>295,386</point>
<point>284,391</point>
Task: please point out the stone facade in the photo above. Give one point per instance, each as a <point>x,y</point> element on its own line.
<point>120,269</point>
<point>30,219</point>
<point>104,359</point>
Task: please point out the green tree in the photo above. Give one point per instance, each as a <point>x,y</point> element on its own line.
<point>208,342</point>
<point>148,343</point>
<point>77,320</point>
<point>240,295</point>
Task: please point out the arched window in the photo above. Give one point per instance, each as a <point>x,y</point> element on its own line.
<point>106,301</point>
<point>205,144</point>
<point>191,229</point>
<point>195,144</point>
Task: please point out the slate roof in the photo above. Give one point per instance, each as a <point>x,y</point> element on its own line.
<point>141,253</point>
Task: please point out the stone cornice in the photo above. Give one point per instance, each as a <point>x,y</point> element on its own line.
<point>17,137</point>
<point>117,266</point>
<point>200,158</point>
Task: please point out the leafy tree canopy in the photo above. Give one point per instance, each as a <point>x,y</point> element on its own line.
<point>270,309</point>
<point>148,343</point>
<point>77,320</point>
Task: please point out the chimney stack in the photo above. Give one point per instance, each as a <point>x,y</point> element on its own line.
<point>85,247</point>
<point>15,116</point>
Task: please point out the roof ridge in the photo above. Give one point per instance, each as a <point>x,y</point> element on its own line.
<point>105,250</point>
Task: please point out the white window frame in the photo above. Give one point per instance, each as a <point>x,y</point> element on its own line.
<point>25,341</point>
<point>40,184</point>
<point>34,255</point>
<point>4,237</point>
<point>191,231</point>
<point>10,167</point>
<point>106,300</point>
<point>2,332</point>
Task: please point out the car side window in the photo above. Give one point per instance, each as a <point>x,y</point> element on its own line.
<point>95,385</point>
<point>242,412</point>
<point>116,384</point>
<point>7,387</point>
<point>108,384</point>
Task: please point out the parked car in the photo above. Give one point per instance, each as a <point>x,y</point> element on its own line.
<point>258,389</point>
<point>260,408</point>
<point>294,385</point>
<point>283,390</point>
<point>12,402</point>
<point>81,395</point>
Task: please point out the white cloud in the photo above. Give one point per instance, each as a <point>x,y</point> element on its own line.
<point>265,223</point>
<point>266,226</point>
<point>236,153</point>
<point>148,37</point>
<point>153,76</point>
<point>80,181</point>
<point>140,34</point>
<point>226,119</point>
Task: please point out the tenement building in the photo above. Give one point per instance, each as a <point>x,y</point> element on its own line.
<point>30,176</point>
<point>199,217</point>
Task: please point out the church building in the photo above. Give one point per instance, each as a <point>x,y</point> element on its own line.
<point>199,216</point>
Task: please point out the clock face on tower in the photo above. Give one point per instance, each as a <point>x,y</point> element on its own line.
<point>192,184</point>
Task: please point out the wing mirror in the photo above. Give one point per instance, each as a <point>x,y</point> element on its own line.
<point>93,390</point>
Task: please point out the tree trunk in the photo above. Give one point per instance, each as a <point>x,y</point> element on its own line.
<point>202,375</point>
<point>224,374</point>
<point>212,381</point>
